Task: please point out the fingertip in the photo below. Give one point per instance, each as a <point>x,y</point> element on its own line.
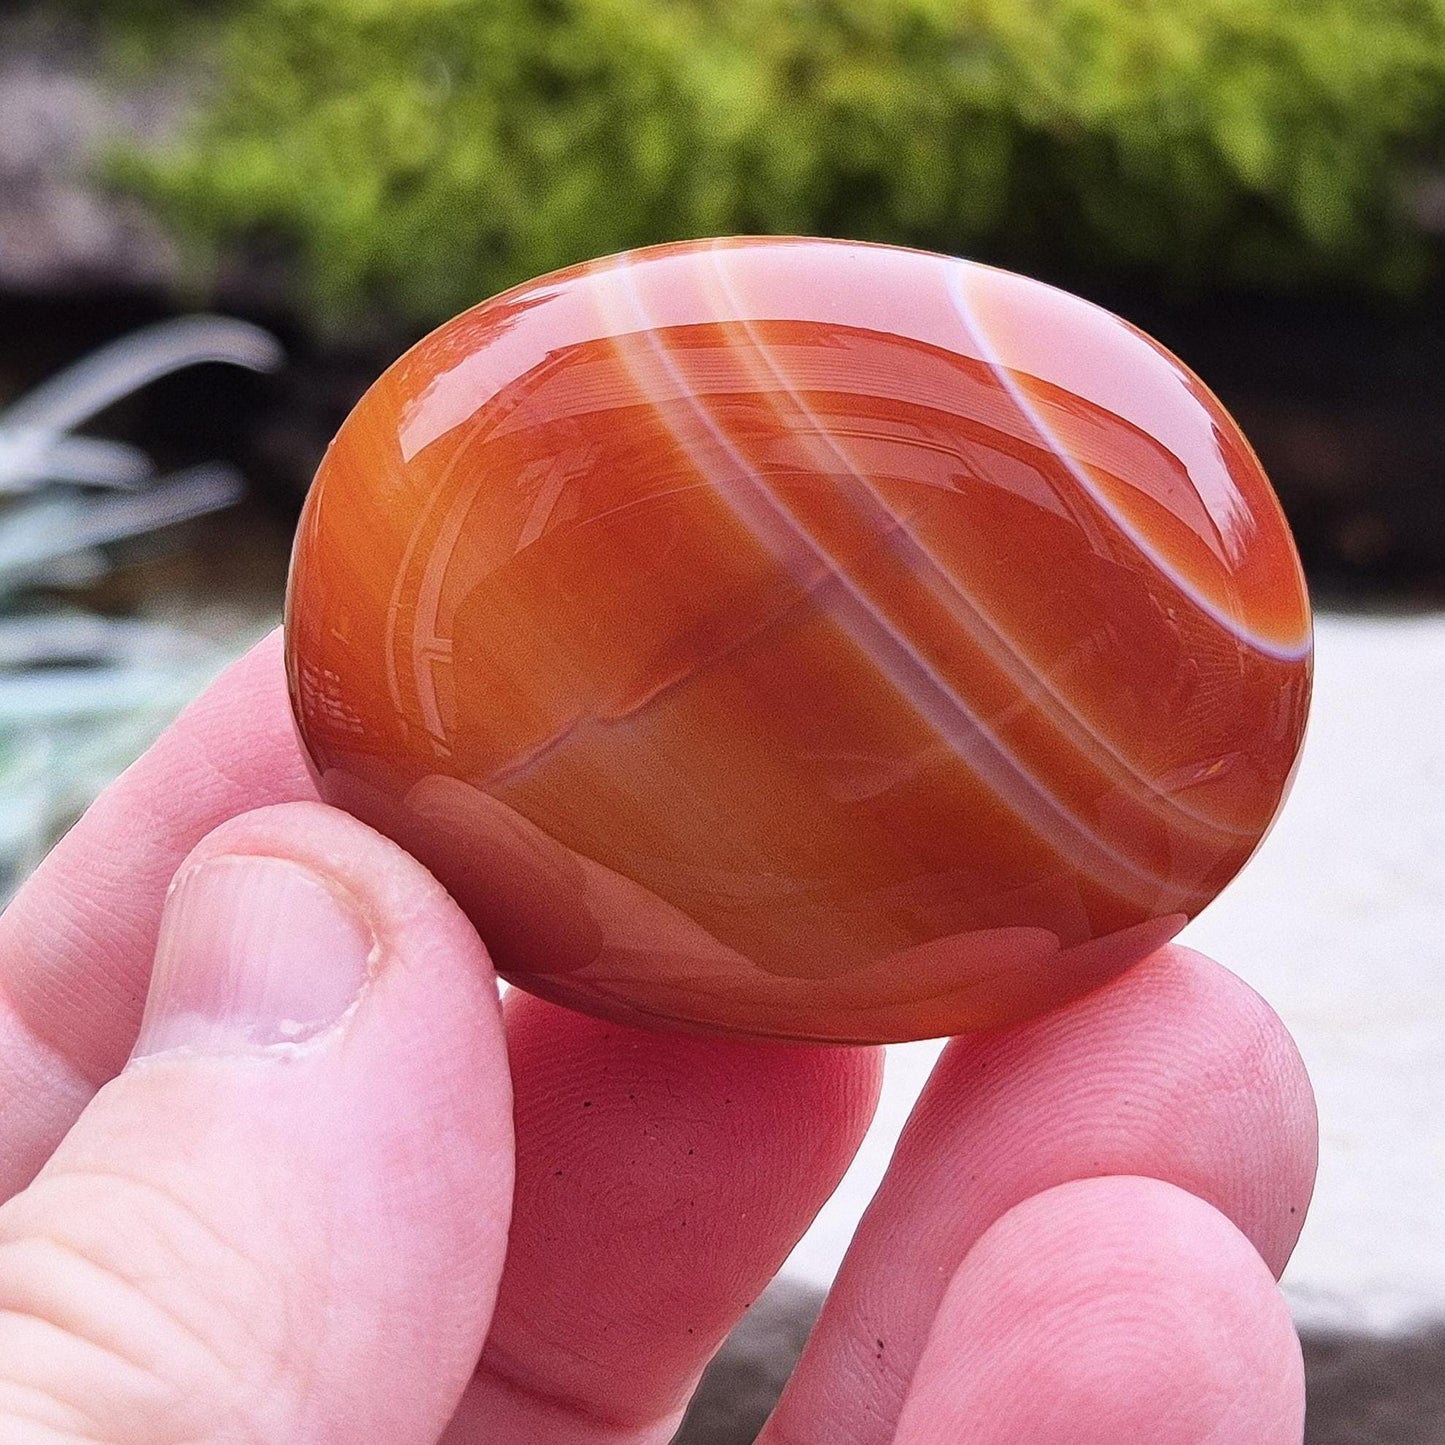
<point>394,890</point>
<point>233,746</point>
<point>314,1153</point>
<point>430,993</point>
<point>1254,1055</point>
<point>1106,1310</point>
<point>76,941</point>
<point>772,1120</point>
<point>1179,1070</point>
<point>696,1162</point>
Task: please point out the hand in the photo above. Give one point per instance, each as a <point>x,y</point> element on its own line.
<point>277,1209</point>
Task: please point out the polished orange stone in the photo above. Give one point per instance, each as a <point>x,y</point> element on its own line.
<point>802,638</point>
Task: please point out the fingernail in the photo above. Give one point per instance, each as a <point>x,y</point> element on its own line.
<point>253,952</point>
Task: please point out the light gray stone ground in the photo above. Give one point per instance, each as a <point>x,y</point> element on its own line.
<point>1340,923</point>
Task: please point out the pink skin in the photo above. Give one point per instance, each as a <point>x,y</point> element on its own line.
<point>241,1239</point>
<point>1109,1310</point>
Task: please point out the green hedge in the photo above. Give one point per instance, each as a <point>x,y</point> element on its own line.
<point>420,154</point>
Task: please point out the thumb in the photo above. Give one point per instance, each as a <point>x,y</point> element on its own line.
<point>285,1220</point>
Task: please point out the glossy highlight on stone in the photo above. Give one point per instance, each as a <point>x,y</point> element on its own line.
<point>802,638</point>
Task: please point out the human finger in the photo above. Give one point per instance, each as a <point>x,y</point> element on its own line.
<point>286,1218</point>
<point>1177,1071</point>
<point>76,942</point>
<point>661,1182</point>
<point>1107,1310</point>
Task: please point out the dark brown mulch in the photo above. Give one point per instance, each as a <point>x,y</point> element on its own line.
<point>1363,1389</point>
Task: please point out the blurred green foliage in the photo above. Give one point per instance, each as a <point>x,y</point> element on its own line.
<point>414,156</point>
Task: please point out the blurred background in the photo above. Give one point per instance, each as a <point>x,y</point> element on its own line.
<point>220,220</point>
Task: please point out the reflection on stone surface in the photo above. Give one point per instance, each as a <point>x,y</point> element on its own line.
<point>802,638</point>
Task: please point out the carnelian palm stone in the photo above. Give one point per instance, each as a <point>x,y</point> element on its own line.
<point>802,638</point>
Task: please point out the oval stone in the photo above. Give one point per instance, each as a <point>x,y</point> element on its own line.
<point>802,638</point>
